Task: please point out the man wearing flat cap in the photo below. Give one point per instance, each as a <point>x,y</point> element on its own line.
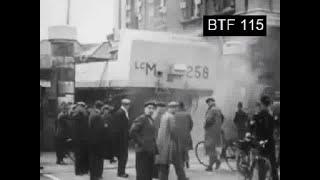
<point>80,119</point>
<point>212,126</point>
<point>143,134</point>
<point>96,126</point>
<point>120,131</point>
<point>157,115</point>
<point>107,139</point>
<point>170,148</point>
<point>184,124</point>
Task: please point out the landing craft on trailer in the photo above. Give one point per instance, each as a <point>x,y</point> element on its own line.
<point>153,65</point>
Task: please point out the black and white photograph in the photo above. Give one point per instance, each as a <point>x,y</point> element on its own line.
<point>160,89</point>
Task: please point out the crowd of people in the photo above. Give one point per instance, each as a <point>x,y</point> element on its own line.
<point>161,136</point>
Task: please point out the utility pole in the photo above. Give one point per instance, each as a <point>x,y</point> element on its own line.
<point>68,12</point>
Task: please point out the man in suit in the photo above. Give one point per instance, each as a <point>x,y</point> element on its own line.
<point>184,126</point>
<point>107,138</point>
<point>263,129</point>
<point>120,131</point>
<point>96,128</point>
<point>143,134</point>
<point>241,121</point>
<point>80,136</point>
<point>170,146</point>
<point>62,131</point>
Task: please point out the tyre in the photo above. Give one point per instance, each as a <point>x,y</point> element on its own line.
<point>201,154</point>
<point>243,164</point>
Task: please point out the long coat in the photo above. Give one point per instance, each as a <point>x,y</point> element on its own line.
<point>107,137</point>
<point>157,118</point>
<point>213,122</point>
<point>184,126</point>
<point>241,119</point>
<point>80,125</point>
<point>143,132</point>
<point>80,138</point>
<point>96,127</point>
<point>62,127</point>
<point>168,141</point>
<point>120,132</point>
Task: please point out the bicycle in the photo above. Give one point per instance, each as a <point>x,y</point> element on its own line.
<point>250,161</point>
<point>69,150</point>
<point>228,154</point>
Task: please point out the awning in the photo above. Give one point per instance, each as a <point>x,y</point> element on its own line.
<point>45,83</point>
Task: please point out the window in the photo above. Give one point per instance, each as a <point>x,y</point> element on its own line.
<point>139,10</point>
<point>163,6</point>
<point>195,6</point>
<point>151,11</point>
<point>62,49</point>
<point>223,7</point>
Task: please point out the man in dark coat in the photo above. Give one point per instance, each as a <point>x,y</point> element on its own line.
<point>213,121</point>
<point>120,131</point>
<point>184,126</point>
<point>263,129</point>
<point>143,134</point>
<point>107,138</point>
<point>80,138</point>
<point>241,121</point>
<point>41,128</point>
<point>62,133</point>
<point>96,128</point>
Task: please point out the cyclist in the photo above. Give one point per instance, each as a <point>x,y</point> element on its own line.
<point>262,127</point>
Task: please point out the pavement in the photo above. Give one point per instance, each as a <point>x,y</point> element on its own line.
<point>66,172</point>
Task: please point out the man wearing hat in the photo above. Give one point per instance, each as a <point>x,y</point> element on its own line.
<point>212,126</point>
<point>107,139</point>
<point>169,146</point>
<point>62,131</point>
<point>241,120</point>
<point>81,128</point>
<point>263,129</point>
<point>143,134</point>
<point>184,124</point>
<point>96,127</point>
<point>120,131</point>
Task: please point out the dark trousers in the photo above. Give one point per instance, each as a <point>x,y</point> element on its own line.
<point>213,157</point>
<point>270,154</point>
<point>122,162</point>
<point>60,148</point>
<point>178,164</point>
<point>81,159</point>
<point>241,133</point>
<point>144,165</point>
<point>95,164</point>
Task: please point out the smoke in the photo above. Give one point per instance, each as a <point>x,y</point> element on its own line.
<point>243,77</point>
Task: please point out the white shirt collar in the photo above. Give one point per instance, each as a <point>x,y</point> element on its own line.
<point>125,110</point>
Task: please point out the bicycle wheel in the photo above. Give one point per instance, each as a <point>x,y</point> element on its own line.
<point>201,154</point>
<point>71,156</point>
<point>243,164</point>
<point>231,157</point>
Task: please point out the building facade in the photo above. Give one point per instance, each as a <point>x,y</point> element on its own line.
<point>248,66</point>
